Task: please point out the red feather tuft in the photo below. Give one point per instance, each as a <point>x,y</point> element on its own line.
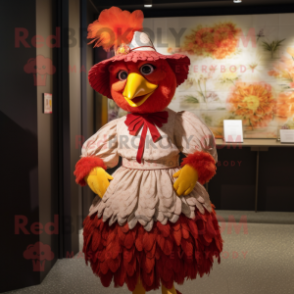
<point>115,27</point>
<point>84,166</point>
<point>204,164</point>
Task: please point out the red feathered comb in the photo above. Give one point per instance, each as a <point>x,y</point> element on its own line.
<point>115,27</point>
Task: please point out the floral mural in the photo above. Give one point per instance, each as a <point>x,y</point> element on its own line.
<point>253,103</point>
<point>242,67</point>
<point>285,105</point>
<point>217,41</point>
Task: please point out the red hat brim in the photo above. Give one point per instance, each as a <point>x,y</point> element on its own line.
<point>99,79</point>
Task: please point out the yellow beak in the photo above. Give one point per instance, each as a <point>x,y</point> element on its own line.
<point>137,89</point>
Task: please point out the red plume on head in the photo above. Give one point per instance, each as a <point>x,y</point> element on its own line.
<point>115,27</point>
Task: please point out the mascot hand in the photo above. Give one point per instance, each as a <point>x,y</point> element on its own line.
<point>98,180</point>
<point>187,178</point>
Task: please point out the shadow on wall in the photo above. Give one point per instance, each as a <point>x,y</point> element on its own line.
<point>19,196</point>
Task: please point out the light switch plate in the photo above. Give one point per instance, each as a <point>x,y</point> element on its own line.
<point>47,103</point>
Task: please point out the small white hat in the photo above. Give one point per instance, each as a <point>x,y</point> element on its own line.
<point>140,42</point>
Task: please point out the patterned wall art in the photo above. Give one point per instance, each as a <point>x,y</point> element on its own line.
<point>242,67</point>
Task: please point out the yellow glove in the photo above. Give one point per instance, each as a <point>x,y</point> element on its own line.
<point>98,180</point>
<point>187,178</point>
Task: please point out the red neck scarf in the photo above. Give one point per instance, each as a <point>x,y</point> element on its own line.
<point>148,121</point>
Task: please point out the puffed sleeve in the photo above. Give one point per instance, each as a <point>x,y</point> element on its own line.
<point>195,140</point>
<point>100,150</point>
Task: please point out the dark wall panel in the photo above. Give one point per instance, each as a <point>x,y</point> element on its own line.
<point>276,182</point>
<point>19,146</point>
<point>233,187</point>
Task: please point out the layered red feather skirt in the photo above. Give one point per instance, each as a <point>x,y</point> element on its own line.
<point>167,254</point>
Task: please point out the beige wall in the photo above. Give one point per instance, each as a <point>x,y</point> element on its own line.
<point>45,133</point>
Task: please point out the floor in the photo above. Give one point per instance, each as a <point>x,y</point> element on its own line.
<point>258,258</point>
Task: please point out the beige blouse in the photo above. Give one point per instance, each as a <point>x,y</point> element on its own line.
<point>144,192</point>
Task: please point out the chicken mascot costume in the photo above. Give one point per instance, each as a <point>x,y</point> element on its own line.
<point>152,223</point>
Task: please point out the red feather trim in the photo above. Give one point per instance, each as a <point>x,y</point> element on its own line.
<point>128,254</point>
<point>129,241</point>
<point>104,267</point>
<point>96,240</point>
<point>115,27</point>
<point>165,229</point>
<point>114,264</point>
<point>139,240</point>
<point>84,166</point>
<point>204,164</point>
<point>148,240</point>
<point>106,278</point>
<point>151,253</point>
<point>167,254</point>
<point>160,241</point>
<point>177,236</point>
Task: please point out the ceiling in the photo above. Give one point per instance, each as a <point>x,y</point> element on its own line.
<point>186,4</point>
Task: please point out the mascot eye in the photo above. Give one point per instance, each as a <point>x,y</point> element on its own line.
<point>122,75</point>
<point>147,69</point>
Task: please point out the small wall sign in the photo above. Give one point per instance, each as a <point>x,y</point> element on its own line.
<point>286,136</point>
<point>47,103</point>
<point>233,130</point>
